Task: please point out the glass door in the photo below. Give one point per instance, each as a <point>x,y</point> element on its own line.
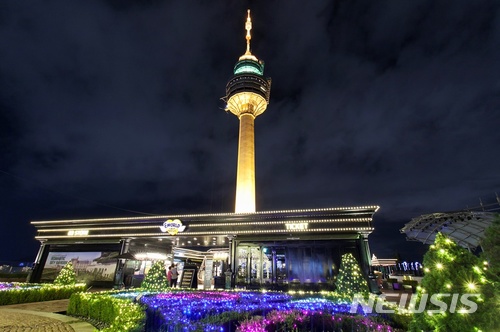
<point>257,264</point>
<point>248,261</point>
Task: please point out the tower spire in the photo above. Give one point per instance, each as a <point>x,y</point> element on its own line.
<point>248,27</point>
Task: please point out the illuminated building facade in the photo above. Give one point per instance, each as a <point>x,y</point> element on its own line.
<point>275,249</point>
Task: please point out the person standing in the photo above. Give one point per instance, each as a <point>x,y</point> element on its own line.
<point>169,275</point>
<point>175,274</point>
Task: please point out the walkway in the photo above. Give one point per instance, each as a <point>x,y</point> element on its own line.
<point>40,317</point>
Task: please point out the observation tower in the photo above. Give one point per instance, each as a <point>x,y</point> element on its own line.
<point>247,96</point>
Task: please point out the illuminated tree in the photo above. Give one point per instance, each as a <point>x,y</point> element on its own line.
<point>491,290</point>
<point>350,279</point>
<point>66,276</point>
<point>491,247</point>
<point>156,277</point>
<point>450,272</point>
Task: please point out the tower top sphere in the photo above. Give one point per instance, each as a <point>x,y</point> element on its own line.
<point>247,92</point>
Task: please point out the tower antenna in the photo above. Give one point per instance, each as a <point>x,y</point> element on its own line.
<point>248,27</point>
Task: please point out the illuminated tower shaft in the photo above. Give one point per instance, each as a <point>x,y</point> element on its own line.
<point>245,184</point>
<point>247,96</point>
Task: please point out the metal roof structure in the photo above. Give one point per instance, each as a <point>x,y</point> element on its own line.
<point>466,228</point>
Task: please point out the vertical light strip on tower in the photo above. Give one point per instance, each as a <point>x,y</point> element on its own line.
<point>247,96</point>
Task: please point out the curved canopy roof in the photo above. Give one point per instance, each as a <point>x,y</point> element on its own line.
<point>464,227</point>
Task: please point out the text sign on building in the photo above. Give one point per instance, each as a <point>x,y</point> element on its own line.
<point>297,226</point>
<point>172,227</point>
<point>78,232</point>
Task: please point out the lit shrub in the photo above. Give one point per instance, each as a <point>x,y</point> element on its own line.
<point>66,276</point>
<point>118,315</point>
<point>24,293</point>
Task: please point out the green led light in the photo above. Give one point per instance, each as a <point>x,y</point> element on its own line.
<point>248,70</point>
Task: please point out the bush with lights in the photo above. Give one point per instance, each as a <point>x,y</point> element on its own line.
<point>156,278</point>
<point>109,313</point>
<point>66,276</point>
<point>15,293</point>
<point>350,279</point>
<point>452,271</point>
<point>491,247</point>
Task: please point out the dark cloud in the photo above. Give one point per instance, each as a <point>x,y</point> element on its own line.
<point>108,107</point>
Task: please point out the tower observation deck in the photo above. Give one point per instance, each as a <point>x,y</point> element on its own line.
<point>247,96</point>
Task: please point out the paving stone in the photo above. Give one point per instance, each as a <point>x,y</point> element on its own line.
<point>40,317</point>
<point>24,322</point>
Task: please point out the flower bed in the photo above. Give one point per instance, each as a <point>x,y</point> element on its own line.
<point>243,311</point>
<point>251,311</point>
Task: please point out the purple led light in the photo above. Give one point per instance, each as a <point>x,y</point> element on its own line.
<point>7,286</point>
<point>214,310</point>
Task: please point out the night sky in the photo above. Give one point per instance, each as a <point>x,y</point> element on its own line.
<point>112,108</point>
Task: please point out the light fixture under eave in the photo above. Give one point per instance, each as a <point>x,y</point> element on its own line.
<point>150,256</point>
<point>220,256</point>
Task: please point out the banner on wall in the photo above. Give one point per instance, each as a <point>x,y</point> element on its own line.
<point>89,266</point>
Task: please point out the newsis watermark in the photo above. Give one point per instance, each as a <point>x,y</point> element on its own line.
<point>460,303</point>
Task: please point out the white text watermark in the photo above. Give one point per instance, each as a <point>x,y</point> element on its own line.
<point>460,303</point>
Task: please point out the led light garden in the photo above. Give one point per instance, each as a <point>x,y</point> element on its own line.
<point>193,310</point>
<point>8,286</point>
<point>245,310</point>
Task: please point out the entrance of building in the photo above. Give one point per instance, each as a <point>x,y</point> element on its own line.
<point>259,265</point>
<point>210,266</point>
